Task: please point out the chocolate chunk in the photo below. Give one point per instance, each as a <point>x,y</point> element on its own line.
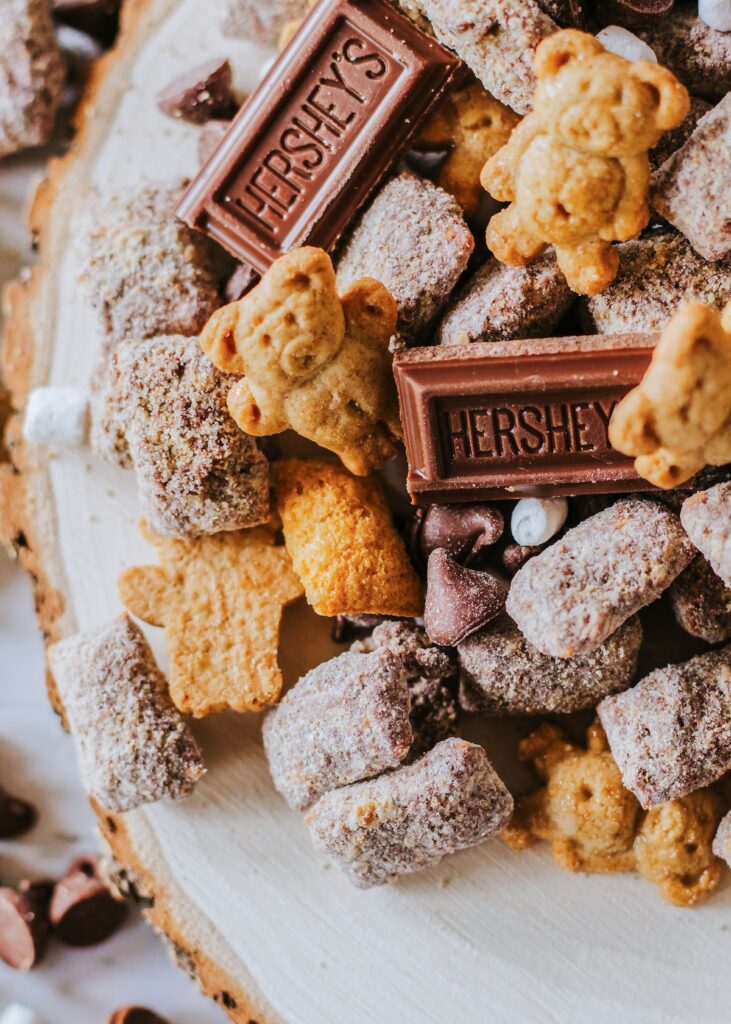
<point>458,600</point>
<point>462,530</point>
<point>201,95</point>
<point>631,12</point>
<point>516,555</point>
<point>210,139</point>
<point>97,18</point>
<point>16,816</point>
<point>135,1015</point>
<point>566,13</point>
<point>23,930</point>
<point>243,279</point>
<point>82,910</point>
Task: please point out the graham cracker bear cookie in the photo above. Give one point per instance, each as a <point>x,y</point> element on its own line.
<point>594,824</point>
<point>312,361</point>
<point>678,419</point>
<point>575,171</point>
<point>342,541</point>
<point>220,600</point>
<point>473,125</point>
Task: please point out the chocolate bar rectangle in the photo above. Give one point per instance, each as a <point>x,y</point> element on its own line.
<point>312,142</point>
<point>517,419</point>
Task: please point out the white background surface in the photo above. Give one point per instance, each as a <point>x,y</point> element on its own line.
<point>37,762</point>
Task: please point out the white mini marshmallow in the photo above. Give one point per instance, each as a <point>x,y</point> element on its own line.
<point>14,1013</point>
<point>536,520</point>
<point>56,417</point>
<point>625,44</point>
<point>716,14</point>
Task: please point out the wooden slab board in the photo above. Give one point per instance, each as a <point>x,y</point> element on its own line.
<point>267,928</point>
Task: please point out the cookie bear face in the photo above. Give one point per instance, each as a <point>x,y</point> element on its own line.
<point>600,103</point>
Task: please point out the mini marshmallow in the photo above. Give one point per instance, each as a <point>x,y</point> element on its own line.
<point>625,44</point>
<point>57,417</point>
<point>14,1013</point>
<point>536,520</point>
<point>716,14</point>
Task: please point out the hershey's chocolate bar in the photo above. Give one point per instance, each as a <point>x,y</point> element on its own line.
<point>517,419</point>
<point>312,142</point>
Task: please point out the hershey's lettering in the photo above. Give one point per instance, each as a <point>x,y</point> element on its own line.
<point>508,431</point>
<point>321,123</point>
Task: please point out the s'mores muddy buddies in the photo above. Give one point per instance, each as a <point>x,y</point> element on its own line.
<point>486,239</point>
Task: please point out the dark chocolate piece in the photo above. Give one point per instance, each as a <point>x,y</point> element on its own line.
<point>16,816</point>
<point>459,601</point>
<point>82,910</point>
<point>315,138</point>
<point>201,95</point>
<point>23,930</point>
<point>517,418</point>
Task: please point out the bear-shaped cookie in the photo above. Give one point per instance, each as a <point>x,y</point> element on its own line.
<point>312,361</point>
<point>575,170</point>
<point>678,419</point>
<point>594,824</point>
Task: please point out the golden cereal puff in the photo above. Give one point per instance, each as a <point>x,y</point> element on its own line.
<point>344,546</point>
<point>220,601</point>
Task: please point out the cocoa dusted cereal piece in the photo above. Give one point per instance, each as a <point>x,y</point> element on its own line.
<point>200,95</point>
<point>344,547</point>
<point>408,819</point>
<point>262,22</point>
<point>722,840</point>
<point>459,600</point>
<point>31,75</point>
<point>699,56</point>
<point>702,603</point>
<point>706,518</point>
<point>677,137</point>
<point>515,556</point>
<point>133,746</point>
<point>82,911</point>
<point>502,673</point>
<point>412,238</point>
<point>671,733</point>
<point>691,190</point>
<point>657,273</point>
<point>346,720</point>
<point>162,409</point>
<point>431,676</point>
<point>144,272</point>
<point>500,303</point>
<point>570,598</point>
<point>496,39</point>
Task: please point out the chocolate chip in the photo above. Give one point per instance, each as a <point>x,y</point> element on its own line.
<point>97,18</point>
<point>201,95</point>
<point>243,279</point>
<point>23,930</point>
<point>566,13</point>
<point>16,816</point>
<point>459,601</point>
<point>462,530</point>
<point>630,12</point>
<point>516,555</point>
<point>83,912</point>
<point>135,1015</point>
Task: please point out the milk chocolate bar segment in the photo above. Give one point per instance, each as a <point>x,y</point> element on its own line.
<point>517,418</point>
<point>309,146</point>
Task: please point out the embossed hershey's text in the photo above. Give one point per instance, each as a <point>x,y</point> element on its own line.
<point>327,114</point>
<point>512,431</point>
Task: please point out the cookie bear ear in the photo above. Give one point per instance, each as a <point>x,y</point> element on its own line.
<point>563,48</point>
<point>671,98</point>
